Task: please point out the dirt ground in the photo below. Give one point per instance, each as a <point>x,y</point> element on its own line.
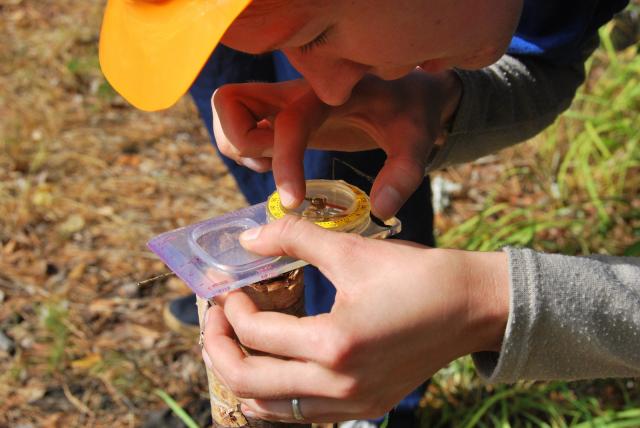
<point>85,181</point>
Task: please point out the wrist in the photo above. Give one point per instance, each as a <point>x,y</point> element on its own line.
<point>487,284</point>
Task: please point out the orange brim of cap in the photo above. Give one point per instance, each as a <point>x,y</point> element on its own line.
<point>151,51</point>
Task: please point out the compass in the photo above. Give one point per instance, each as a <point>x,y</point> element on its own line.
<point>331,204</point>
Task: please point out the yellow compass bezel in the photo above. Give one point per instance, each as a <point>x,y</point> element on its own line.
<point>351,221</point>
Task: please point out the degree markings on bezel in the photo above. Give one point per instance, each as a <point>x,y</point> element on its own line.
<point>277,211</point>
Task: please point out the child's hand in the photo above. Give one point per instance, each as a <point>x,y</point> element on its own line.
<point>268,126</point>
<point>402,312</point>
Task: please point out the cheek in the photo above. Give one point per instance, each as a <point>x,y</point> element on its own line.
<point>488,27</point>
<point>486,55</point>
<point>483,58</point>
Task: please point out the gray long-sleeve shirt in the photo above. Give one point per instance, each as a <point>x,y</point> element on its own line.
<point>569,317</point>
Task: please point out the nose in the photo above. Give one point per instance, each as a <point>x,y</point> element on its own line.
<point>331,80</point>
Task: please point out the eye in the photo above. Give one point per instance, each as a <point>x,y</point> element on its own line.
<point>320,40</point>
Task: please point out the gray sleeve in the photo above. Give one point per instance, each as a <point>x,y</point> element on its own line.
<point>508,102</point>
<point>570,318</point>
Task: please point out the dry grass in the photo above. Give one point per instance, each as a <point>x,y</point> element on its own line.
<point>85,181</point>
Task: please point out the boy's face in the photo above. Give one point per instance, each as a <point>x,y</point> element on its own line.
<point>333,43</point>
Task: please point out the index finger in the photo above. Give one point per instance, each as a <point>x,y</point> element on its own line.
<point>306,338</point>
<point>263,376</point>
<point>238,110</point>
<point>293,127</point>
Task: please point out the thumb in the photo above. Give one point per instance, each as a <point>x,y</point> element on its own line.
<point>299,238</point>
<point>395,183</point>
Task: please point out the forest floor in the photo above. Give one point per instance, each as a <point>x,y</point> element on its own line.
<point>86,181</point>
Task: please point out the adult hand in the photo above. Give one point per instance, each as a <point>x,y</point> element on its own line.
<point>264,126</point>
<point>401,312</point>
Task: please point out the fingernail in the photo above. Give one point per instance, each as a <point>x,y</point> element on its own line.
<point>250,234</point>
<point>207,360</point>
<point>286,196</point>
<point>206,316</point>
<point>387,202</point>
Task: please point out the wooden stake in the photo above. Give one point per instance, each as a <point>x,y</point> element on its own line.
<point>284,293</point>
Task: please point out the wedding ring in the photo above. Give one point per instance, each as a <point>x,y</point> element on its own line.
<point>295,408</point>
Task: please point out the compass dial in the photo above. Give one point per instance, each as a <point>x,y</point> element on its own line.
<point>331,204</point>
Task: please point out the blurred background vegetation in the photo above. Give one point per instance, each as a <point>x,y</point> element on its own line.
<point>85,181</point>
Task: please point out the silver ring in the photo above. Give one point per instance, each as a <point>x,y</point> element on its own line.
<point>295,409</point>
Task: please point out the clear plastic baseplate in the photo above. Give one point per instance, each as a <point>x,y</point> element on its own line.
<point>208,255</point>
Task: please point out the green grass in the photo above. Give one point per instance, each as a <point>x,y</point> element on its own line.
<point>457,398</point>
<point>54,317</point>
<point>177,409</point>
<point>583,181</point>
<point>583,176</point>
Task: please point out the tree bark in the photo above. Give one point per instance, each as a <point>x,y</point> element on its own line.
<point>284,293</point>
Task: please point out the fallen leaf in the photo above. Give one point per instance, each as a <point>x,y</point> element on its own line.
<point>77,271</point>
<point>73,224</point>
<point>42,196</point>
<point>33,391</point>
<point>86,362</point>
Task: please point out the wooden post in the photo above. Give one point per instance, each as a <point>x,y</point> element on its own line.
<point>284,293</point>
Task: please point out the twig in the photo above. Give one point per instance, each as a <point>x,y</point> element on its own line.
<point>116,396</point>
<point>73,400</point>
<point>362,174</point>
<point>163,275</point>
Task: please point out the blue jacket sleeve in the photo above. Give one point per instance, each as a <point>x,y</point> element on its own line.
<point>555,30</point>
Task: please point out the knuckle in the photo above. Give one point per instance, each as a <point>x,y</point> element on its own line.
<point>411,167</point>
<point>242,393</point>
<point>348,388</point>
<point>242,147</point>
<point>234,149</point>
<point>246,336</point>
<point>222,93</point>
<point>226,148</point>
<point>288,118</point>
<point>315,333</point>
<point>291,231</point>
<point>220,98</point>
<point>338,347</point>
<point>236,380</point>
<point>348,246</point>
<point>292,224</point>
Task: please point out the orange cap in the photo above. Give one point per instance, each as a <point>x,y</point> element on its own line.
<point>151,51</point>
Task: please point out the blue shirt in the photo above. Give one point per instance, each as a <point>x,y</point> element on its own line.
<point>555,29</point>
